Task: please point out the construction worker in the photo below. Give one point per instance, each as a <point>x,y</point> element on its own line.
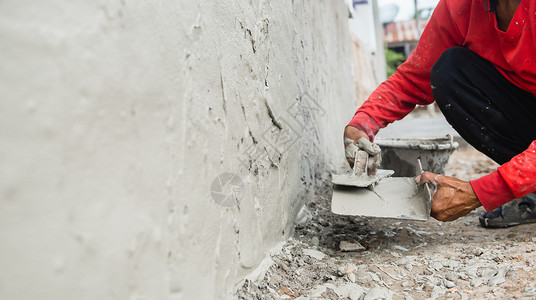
<point>477,60</point>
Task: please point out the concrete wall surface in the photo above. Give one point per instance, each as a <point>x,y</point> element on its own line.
<point>160,149</point>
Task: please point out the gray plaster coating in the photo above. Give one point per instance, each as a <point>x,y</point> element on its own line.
<point>119,115</point>
<point>396,197</point>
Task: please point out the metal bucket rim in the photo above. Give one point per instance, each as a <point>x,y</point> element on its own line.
<point>427,143</point>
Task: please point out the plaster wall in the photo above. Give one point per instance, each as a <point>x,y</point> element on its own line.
<point>117,117</point>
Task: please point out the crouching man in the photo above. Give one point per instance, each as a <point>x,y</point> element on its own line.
<point>477,60</point>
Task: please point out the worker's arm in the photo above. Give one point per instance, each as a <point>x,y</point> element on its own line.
<point>512,180</point>
<point>410,84</point>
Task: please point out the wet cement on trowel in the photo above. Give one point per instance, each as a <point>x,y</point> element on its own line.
<point>350,179</point>
<point>398,197</point>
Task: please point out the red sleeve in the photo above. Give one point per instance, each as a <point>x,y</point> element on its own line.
<point>492,191</point>
<point>410,84</point>
<point>514,179</point>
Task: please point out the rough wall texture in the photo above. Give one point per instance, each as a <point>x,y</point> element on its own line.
<point>117,117</point>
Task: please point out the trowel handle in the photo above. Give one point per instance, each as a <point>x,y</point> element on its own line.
<point>355,163</point>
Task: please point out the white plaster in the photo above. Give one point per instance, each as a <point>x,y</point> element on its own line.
<point>116,117</point>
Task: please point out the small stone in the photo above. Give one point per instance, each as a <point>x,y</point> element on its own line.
<point>345,246</point>
<point>500,276</point>
<point>365,279</point>
<point>379,293</point>
<point>448,284</point>
<point>451,276</point>
<point>395,254</point>
<point>288,257</point>
<point>341,271</point>
<point>351,277</point>
<point>314,254</point>
<point>332,291</point>
<point>428,287</point>
<point>396,247</point>
<point>437,265</point>
<point>315,241</point>
<point>374,277</point>
<point>438,291</point>
<point>389,233</point>
<point>477,252</point>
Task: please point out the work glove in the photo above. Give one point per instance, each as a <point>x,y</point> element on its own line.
<point>364,156</point>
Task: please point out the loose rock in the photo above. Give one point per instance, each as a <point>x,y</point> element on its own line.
<point>314,254</point>
<point>350,246</point>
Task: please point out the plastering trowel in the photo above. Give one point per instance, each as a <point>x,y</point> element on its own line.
<point>383,196</point>
<point>359,176</point>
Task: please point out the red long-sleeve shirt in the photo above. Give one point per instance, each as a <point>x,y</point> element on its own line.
<point>468,24</point>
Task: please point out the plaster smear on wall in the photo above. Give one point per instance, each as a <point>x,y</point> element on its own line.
<point>118,118</point>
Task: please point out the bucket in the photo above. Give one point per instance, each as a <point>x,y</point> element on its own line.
<point>400,155</point>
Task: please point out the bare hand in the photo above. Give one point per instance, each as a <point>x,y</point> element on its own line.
<point>452,198</point>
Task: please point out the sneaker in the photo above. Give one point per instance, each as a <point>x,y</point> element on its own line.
<point>516,212</point>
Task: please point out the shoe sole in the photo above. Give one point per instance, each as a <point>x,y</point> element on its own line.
<point>484,223</point>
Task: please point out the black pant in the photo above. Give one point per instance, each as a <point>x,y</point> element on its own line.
<point>490,113</point>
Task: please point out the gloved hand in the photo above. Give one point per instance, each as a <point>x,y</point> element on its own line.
<point>366,155</point>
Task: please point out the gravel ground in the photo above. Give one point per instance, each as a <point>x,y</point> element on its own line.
<point>401,259</point>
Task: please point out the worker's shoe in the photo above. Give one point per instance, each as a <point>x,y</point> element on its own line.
<point>515,212</point>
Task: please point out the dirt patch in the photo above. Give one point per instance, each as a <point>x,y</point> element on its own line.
<point>402,260</point>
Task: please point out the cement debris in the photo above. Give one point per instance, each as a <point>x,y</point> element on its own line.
<point>314,253</point>
<point>345,270</point>
<point>346,246</point>
<point>431,260</point>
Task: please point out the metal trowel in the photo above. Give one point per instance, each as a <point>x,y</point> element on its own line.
<point>384,197</point>
<point>359,177</point>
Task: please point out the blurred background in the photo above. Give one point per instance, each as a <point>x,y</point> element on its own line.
<point>387,31</point>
